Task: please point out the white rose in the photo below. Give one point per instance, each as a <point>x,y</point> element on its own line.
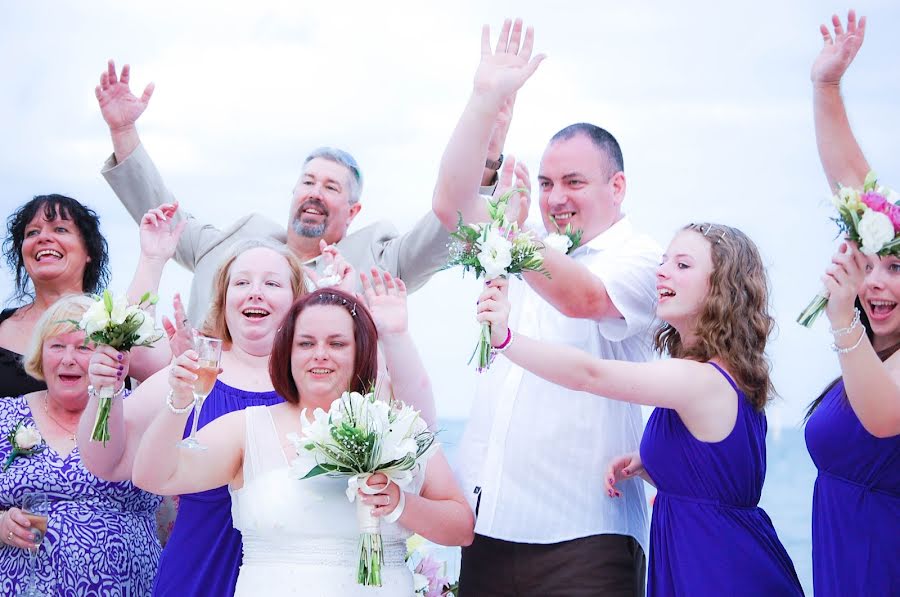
<point>420,583</point>
<point>27,437</point>
<point>495,255</point>
<point>120,310</point>
<point>147,330</point>
<point>875,230</point>
<point>558,242</point>
<point>890,194</point>
<point>95,318</point>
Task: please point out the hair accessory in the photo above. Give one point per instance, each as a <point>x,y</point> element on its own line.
<point>174,409</point>
<point>844,331</point>
<point>707,231</point>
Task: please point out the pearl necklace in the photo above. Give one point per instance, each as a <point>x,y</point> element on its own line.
<point>71,435</point>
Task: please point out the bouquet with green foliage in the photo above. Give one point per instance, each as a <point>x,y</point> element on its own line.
<point>112,321</point>
<point>358,437</point>
<point>493,249</point>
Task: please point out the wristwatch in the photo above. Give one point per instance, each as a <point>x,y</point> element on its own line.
<point>494,164</point>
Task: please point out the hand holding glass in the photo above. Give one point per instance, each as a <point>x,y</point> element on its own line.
<point>36,508</point>
<point>209,351</point>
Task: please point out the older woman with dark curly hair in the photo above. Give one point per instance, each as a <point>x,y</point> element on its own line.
<point>54,247</point>
<point>704,446</point>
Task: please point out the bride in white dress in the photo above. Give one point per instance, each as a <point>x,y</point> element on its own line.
<point>301,536</point>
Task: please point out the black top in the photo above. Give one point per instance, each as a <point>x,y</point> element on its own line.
<point>13,379</point>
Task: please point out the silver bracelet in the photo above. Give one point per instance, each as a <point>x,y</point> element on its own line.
<point>844,331</point>
<point>840,350</point>
<point>174,409</point>
<point>94,392</point>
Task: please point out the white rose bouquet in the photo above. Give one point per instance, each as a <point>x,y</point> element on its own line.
<point>493,249</point>
<point>870,218</point>
<point>25,441</point>
<point>112,321</point>
<point>358,437</point>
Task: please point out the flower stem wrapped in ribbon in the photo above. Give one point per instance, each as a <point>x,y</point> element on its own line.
<point>25,440</point>
<point>358,437</point>
<point>870,218</point>
<point>112,321</point>
<point>493,249</point>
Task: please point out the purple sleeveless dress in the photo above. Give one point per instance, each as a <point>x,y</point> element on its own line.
<point>708,536</point>
<point>856,503</point>
<point>203,554</point>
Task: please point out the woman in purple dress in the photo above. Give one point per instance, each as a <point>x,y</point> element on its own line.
<point>853,428</point>
<point>704,446</point>
<point>253,290</point>
<point>101,537</point>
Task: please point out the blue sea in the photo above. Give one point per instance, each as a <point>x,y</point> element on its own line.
<point>787,494</point>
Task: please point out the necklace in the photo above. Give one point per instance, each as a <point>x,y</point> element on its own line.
<point>71,434</point>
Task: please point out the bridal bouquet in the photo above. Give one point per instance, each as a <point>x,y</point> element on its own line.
<point>359,436</point>
<point>870,218</point>
<point>493,249</point>
<point>112,321</point>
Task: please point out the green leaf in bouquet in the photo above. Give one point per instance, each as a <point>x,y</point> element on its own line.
<point>870,182</point>
<point>107,301</point>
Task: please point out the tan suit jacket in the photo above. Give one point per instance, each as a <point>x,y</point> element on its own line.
<point>413,256</point>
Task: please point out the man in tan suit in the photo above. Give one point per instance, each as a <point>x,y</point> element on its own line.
<point>325,202</point>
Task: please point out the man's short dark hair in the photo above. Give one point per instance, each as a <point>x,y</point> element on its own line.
<point>601,138</point>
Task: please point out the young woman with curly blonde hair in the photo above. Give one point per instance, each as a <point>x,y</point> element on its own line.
<point>704,445</point>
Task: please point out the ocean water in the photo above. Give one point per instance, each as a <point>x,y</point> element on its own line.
<point>786,497</point>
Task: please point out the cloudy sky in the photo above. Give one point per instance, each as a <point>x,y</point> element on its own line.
<point>709,100</point>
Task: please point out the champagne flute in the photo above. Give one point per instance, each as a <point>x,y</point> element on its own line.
<point>36,508</point>
<point>209,351</point>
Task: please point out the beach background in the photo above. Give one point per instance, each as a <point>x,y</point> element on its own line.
<point>711,102</point>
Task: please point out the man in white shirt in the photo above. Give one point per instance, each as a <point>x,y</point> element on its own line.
<point>534,453</point>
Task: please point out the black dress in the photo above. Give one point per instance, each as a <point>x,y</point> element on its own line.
<point>13,379</point>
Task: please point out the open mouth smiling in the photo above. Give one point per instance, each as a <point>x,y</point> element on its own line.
<point>48,253</point>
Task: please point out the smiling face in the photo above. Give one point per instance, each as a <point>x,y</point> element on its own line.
<point>580,187</point>
<point>323,354</point>
<point>65,361</point>
<point>258,295</point>
<point>53,250</point>
<point>682,280</point>
<point>879,295</point>
<point>321,205</point>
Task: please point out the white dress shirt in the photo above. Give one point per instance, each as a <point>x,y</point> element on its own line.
<point>534,453</point>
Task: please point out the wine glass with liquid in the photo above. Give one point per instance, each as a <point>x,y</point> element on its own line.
<point>209,351</point>
<point>36,508</point>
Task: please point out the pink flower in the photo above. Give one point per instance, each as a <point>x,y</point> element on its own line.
<point>875,201</point>
<point>894,214</point>
<point>431,569</point>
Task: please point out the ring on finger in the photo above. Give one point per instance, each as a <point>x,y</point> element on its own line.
<point>9,537</point>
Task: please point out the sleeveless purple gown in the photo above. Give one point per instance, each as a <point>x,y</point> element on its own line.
<point>203,554</point>
<point>856,503</point>
<point>708,536</point>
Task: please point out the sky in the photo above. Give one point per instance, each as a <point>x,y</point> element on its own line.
<point>710,101</point>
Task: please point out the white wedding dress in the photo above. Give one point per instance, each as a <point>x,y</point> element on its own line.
<point>301,536</point>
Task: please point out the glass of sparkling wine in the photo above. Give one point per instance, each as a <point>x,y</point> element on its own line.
<point>209,351</point>
<point>36,508</point>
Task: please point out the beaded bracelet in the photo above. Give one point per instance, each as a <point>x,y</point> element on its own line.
<point>505,345</point>
<point>844,331</point>
<point>94,392</point>
<point>174,409</point>
<point>840,350</point>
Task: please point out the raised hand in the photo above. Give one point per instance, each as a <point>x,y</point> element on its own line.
<point>386,299</point>
<point>108,367</point>
<point>626,466</point>
<point>493,308</point>
<point>519,203</point>
<point>159,237</point>
<point>120,108</point>
<point>180,332</point>
<point>839,50</point>
<point>842,280</point>
<point>503,70</point>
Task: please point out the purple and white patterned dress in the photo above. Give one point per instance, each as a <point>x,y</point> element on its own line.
<point>101,536</point>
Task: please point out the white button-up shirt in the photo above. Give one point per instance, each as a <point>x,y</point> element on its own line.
<point>534,453</point>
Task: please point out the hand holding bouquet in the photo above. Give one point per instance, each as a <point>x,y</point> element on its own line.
<point>358,437</point>
<point>871,219</point>
<point>113,322</point>
<point>493,249</point>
